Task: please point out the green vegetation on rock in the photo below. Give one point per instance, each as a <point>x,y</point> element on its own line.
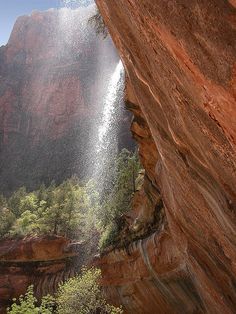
<point>83,295</point>
<point>117,200</point>
<point>80,295</point>
<point>58,210</point>
<point>73,209</point>
<point>27,304</point>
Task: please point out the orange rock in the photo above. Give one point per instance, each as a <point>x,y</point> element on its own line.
<point>180,61</point>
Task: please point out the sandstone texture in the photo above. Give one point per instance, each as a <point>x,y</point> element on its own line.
<point>54,74</point>
<point>41,261</point>
<point>180,60</point>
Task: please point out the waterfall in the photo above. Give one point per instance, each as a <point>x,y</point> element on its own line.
<point>114,94</point>
<point>106,146</point>
<point>102,85</point>
<point>104,100</point>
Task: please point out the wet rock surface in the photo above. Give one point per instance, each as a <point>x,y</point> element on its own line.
<point>180,61</point>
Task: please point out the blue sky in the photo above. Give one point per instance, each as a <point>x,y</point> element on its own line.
<point>11,9</point>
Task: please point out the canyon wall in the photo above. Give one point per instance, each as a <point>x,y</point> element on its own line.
<point>53,72</point>
<point>180,60</point>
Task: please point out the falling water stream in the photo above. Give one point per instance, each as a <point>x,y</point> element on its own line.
<point>106,95</point>
<point>114,92</point>
<point>108,126</point>
<point>104,99</point>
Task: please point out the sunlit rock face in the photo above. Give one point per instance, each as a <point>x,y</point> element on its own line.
<point>41,261</point>
<point>180,60</point>
<point>54,73</point>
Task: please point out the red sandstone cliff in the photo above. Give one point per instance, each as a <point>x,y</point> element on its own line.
<point>50,83</point>
<point>180,59</point>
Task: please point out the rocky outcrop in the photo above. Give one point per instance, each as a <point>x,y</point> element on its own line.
<point>180,59</point>
<point>43,262</point>
<point>50,97</point>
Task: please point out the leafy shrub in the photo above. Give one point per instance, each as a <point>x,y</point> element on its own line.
<point>27,304</point>
<point>7,219</point>
<point>15,199</point>
<point>117,201</point>
<point>83,295</point>
<point>108,236</point>
<point>80,295</point>
<point>25,224</point>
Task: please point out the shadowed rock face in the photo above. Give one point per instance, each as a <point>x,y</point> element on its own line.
<point>52,76</point>
<point>180,59</point>
<point>43,262</point>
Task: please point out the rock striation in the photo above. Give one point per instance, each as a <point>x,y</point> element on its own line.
<point>41,261</point>
<point>180,59</point>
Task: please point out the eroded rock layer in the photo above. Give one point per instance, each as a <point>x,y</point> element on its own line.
<point>180,59</point>
<point>43,262</point>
